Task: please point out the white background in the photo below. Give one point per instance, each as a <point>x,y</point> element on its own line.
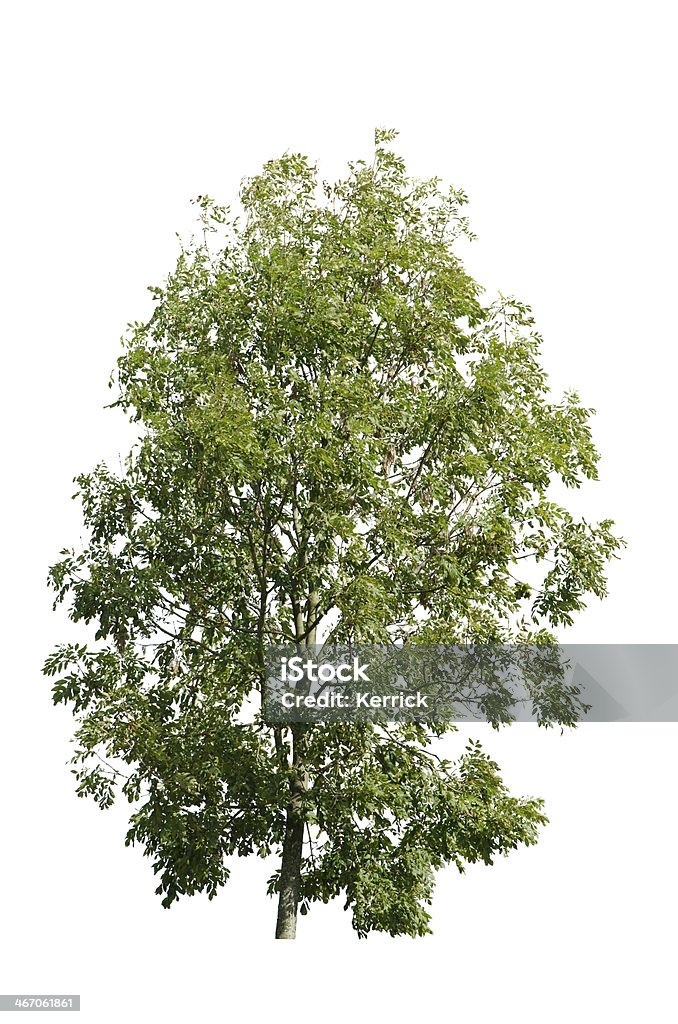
<point>558,120</point>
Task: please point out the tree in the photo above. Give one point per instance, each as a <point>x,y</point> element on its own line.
<point>337,441</point>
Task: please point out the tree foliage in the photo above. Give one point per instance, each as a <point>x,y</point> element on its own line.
<point>338,440</point>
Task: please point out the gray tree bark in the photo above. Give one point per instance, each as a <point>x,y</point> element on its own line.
<point>290,871</point>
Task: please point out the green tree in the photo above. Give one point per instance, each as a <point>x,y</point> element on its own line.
<point>337,441</point>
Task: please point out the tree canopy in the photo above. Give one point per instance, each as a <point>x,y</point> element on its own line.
<point>338,440</point>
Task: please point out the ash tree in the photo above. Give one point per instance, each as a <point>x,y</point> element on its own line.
<point>338,440</point>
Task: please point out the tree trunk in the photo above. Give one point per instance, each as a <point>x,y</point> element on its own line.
<point>290,870</point>
<point>293,844</point>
